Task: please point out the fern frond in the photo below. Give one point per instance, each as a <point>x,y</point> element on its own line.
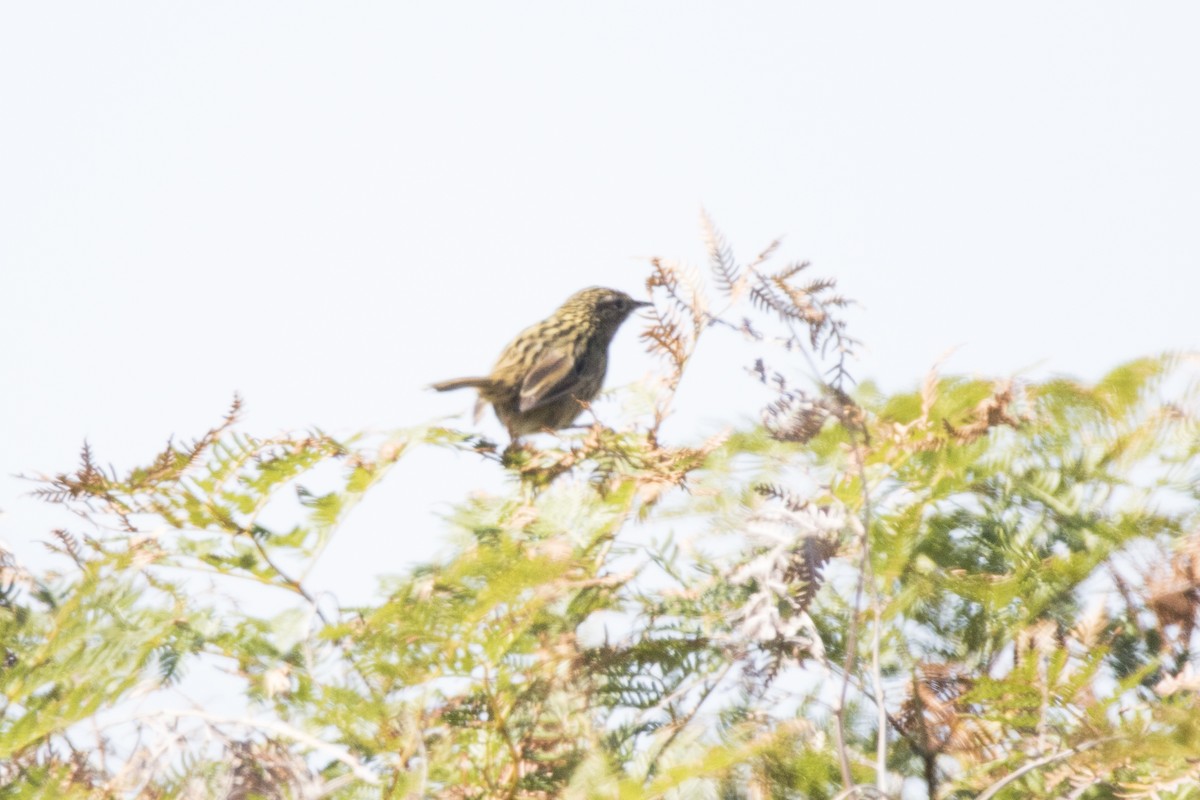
<point>726,271</point>
<point>773,491</point>
<point>805,570</point>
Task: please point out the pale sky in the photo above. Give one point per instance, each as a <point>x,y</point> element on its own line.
<point>327,206</point>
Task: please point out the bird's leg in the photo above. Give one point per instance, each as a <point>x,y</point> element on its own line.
<point>586,408</point>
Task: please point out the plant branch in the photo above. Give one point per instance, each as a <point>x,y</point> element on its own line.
<point>992,790</point>
<point>279,728</point>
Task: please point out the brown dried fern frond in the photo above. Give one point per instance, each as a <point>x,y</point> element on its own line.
<point>696,301</point>
<point>665,334</point>
<point>729,277</point>
<point>90,482</point>
<point>764,256</point>
<point>665,338</point>
<point>68,545</point>
<point>662,275</point>
<point>266,771</point>
<point>788,272</point>
<point>772,491</point>
<point>811,551</point>
<point>173,461</point>
<point>1186,780</point>
<point>794,417</point>
<point>810,304</point>
<point>610,458</point>
<point>764,296</point>
<point>673,278</point>
<point>934,717</point>
<point>991,412</point>
<point>806,307</point>
<point>806,568</point>
<point>1172,593</point>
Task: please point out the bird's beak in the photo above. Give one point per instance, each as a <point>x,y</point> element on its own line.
<point>641,303</point>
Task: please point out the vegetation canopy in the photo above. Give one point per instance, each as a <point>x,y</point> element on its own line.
<point>977,589</point>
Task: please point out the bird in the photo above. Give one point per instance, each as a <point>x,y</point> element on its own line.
<point>548,374</point>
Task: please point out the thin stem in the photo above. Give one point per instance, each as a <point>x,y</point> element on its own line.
<point>296,586</point>
<point>847,670</point>
<point>992,790</point>
<point>881,710</point>
<point>865,791</point>
<point>866,576</point>
<point>279,728</point>
<point>288,581</point>
<point>705,693</point>
<point>877,629</point>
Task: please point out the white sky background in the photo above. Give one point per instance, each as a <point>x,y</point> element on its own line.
<point>328,206</point>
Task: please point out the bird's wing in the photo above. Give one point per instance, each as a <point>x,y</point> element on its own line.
<point>552,377</point>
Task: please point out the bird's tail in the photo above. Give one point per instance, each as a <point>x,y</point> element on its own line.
<point>461,383</point>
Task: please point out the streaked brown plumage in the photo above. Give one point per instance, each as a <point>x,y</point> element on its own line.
<point>544,377</point>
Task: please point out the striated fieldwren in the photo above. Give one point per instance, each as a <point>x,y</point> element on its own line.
<point>545,377</point>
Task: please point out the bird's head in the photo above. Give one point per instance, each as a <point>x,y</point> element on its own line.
<point>603,308</point>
